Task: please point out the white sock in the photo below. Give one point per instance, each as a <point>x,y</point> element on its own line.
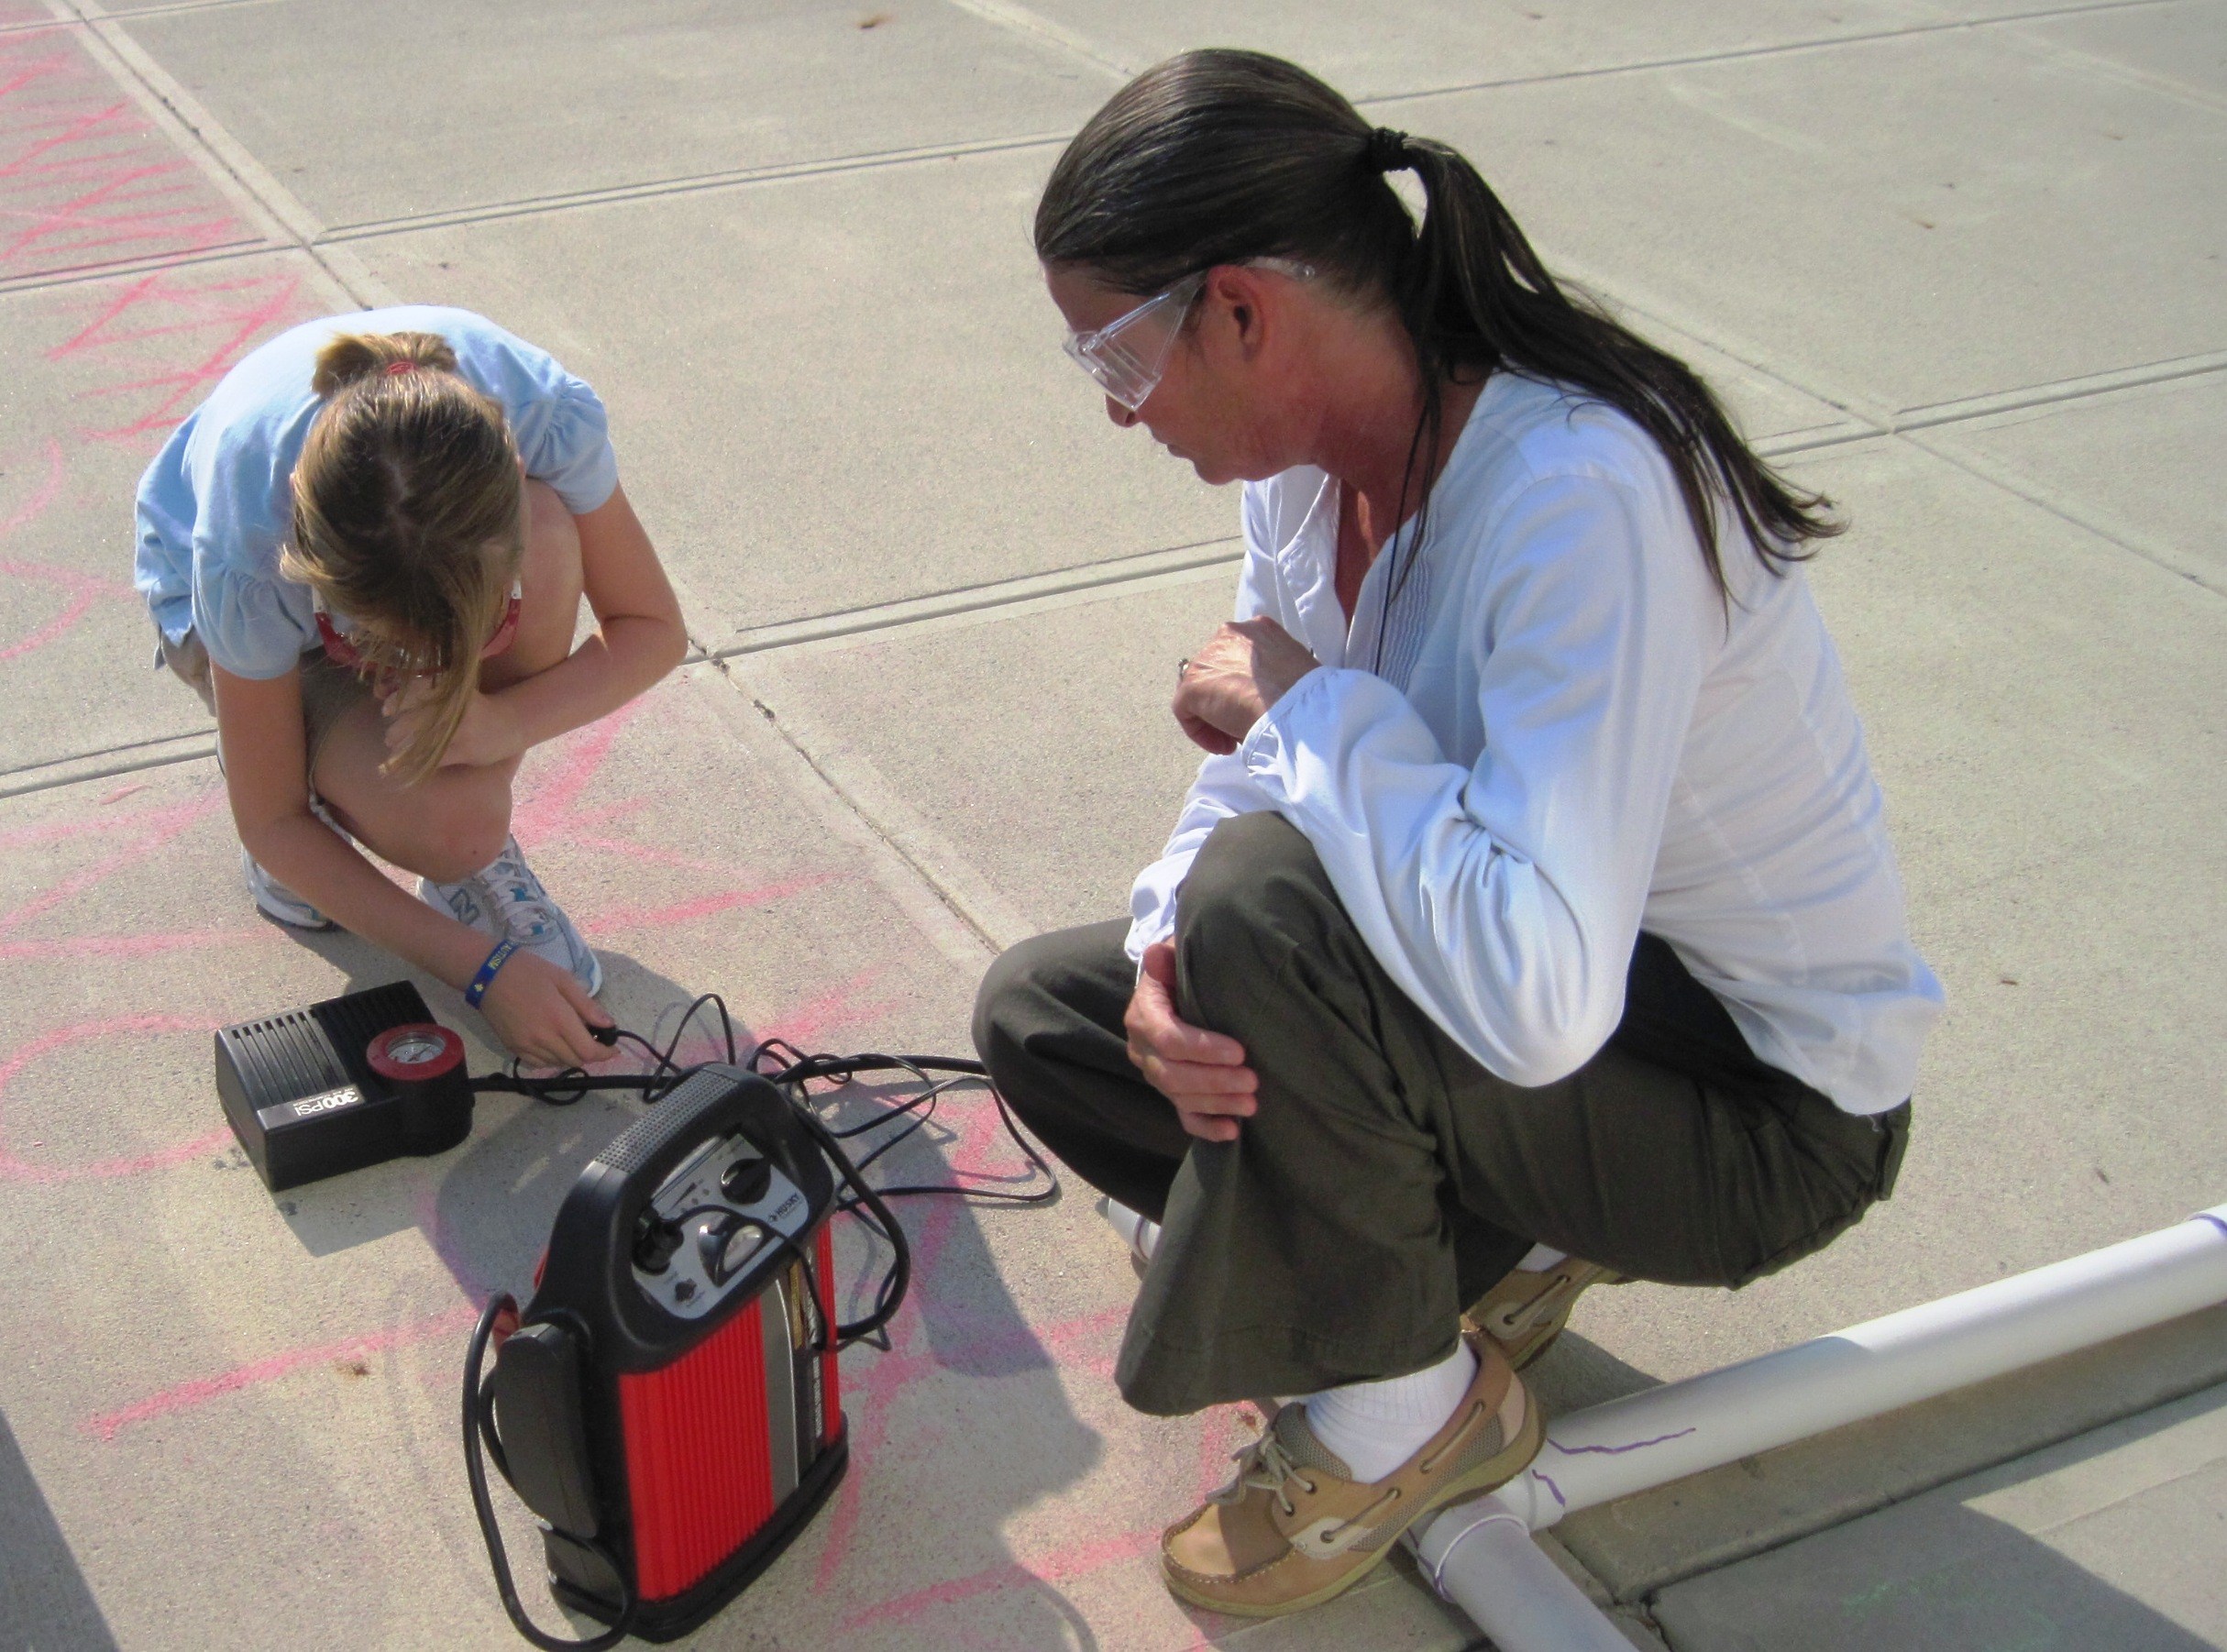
<point>1539,1258</point>
<point>1375,1427</point>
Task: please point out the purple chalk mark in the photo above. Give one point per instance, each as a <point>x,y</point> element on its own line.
<point>1545,1480</point>
<point>1637,1445</point>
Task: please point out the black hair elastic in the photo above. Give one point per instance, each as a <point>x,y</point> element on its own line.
<point>1387,150</point>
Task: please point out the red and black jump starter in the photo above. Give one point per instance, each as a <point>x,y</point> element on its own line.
<point>668,1401</point>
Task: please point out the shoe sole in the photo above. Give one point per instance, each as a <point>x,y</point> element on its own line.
<point>323,927</point>
<point>1489,1475</point>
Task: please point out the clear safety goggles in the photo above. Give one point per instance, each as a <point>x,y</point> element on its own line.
<point>1128,356</point>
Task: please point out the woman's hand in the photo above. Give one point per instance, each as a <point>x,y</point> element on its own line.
<point>542,1014</point>
<point>486,734</point>
<point>1204,1073</point>
<point>1228,685</point>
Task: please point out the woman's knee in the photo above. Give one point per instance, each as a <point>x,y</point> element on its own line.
<point>1256,890</point>
<point>1007,985</point>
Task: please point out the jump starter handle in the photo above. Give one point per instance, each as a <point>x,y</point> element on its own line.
<point>591,1250</point>
<point>479,1427</point>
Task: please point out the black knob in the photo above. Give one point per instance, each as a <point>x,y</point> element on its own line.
<point>746,1181</point>
<point>656,1239</point>
<point>725,1248</point>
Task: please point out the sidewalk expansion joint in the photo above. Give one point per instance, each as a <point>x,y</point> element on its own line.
<point>689,183</point>
<point>966,920</point>
<point>78,275</point>
<point>976,599</point>
<point>27,781</point>
<point>222,158</point>
<point>1741,54</point>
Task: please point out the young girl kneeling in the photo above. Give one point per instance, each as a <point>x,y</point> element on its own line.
<point>366,551</point>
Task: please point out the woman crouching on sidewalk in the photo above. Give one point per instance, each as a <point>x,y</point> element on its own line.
<point>366,551</point>
<point>1534,922</point>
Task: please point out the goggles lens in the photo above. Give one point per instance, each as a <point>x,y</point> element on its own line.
<point>1128,356</point>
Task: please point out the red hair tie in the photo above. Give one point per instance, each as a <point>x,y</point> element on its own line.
<point>394,367</point>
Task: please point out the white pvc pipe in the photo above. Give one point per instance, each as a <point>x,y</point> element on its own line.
<point>1507,1583</point>
<point>1477,1557</point>
<point>1138,1232</point>
<point>1645,1439</point>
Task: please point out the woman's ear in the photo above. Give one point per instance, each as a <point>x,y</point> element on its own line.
<point>1237,289</point>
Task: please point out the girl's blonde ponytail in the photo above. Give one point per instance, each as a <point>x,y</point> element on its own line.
<point>407,502</point>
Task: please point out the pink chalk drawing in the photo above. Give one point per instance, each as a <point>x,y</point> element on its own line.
<point>81,592</point>
<point>15,1168</point>
<point>212,320</point>
<point>86,177</point>
<point>162,826</point>
<point>107,1425</point>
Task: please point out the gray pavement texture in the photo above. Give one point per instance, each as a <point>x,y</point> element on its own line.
<point>1956,263</point>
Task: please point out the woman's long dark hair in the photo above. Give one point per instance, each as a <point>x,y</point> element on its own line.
<point>1219,156</point>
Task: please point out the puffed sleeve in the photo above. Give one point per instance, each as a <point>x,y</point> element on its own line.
<point>253,622</point>
<point>252,625</point>
<point>559,422</point>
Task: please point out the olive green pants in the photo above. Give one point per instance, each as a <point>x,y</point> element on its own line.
<point>1387,1179</point>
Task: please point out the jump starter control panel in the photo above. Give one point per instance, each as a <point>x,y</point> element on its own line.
<point>721,1220</point>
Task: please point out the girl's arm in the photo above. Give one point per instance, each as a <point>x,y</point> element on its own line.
<point>639,637</point>
<point>536,1008</point>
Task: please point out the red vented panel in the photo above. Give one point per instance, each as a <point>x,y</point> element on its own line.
<point>831,1408</point>
<point>699,1473</point>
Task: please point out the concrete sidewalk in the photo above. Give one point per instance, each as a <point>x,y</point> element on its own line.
<point>1957,263</point>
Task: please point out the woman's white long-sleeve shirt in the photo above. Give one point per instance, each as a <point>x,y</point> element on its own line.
<point>1560,735</point>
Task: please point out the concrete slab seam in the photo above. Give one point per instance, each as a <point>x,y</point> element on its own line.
<point>118,751</point>
<point>952,929</point>
<point>2125,538</point>
<point>691,183</point>
<point>2087,386</point>
<point>1021,20</point>
<point>80,275</point>
<point>1748,53</point>
<point>78,777</point>
<point>998,11</point>
<point>226,161</point>
<point>851,779</point>
<point>2058,54</point>
<point>996,595</point>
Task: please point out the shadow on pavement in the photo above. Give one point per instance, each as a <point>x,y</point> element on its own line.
<point>44,1603</point>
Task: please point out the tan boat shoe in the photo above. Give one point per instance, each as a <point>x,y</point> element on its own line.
<point>1527,1311</point>
<point>1292,1529</point>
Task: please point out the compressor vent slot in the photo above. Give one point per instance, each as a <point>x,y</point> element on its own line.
<point>287,1056</point>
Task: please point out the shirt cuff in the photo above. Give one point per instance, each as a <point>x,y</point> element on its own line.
<point>1309,715</point>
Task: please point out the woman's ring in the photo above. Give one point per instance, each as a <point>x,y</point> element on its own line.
<point>1183,667</point>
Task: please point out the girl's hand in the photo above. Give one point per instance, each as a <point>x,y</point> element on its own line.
<point>542,1014</point>
<point>487,734</point>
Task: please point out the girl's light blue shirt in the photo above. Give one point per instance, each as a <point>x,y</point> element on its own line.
<point>217,504</point>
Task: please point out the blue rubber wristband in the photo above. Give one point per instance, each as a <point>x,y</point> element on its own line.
<point>488,970</point>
